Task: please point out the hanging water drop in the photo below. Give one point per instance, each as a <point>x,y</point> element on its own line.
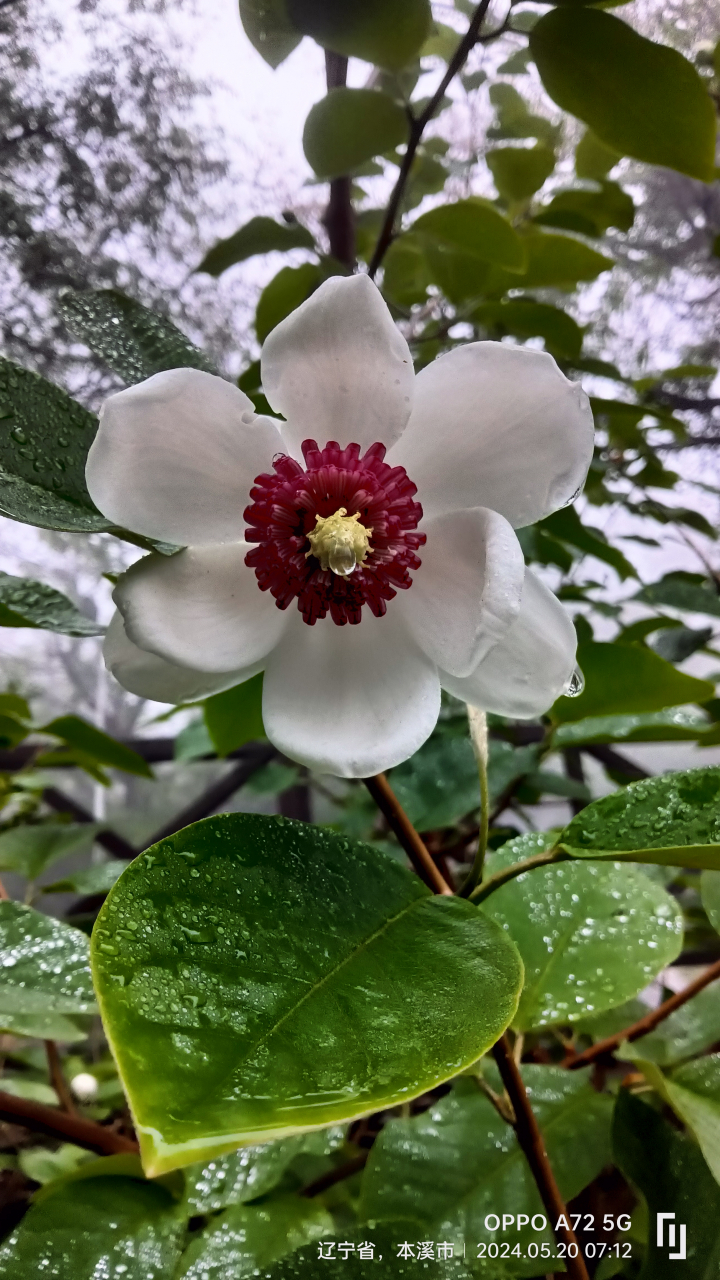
<point>575,684</point>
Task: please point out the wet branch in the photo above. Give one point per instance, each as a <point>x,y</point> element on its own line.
<point>57,1078</point>
<point>59,1124</point>
<point>500,878</point>
<point>398,821</point>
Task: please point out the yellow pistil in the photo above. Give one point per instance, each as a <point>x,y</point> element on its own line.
<point>339,542</point>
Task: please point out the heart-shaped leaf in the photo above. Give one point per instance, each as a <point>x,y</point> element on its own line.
<point>260,977</point>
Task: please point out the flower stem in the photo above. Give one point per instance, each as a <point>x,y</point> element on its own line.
<point>398,821</point>
<point>479,737</point>
<point>57,1078</point>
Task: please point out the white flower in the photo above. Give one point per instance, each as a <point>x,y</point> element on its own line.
<point>424,583</point>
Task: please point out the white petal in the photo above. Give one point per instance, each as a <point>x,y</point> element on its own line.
<point>175,457</point>
<point>496,426</point>
<point>201,608</point>
<point>352,700</point>
<point>467,591</point>
<point>339,369</point>
<point>524,674</point>
<point>151,677</point>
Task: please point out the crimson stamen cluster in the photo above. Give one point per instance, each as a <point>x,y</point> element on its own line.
<point>285,507</point>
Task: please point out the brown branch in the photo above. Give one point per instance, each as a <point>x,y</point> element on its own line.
<point>417,128</point>
<point>4,895</point>
<point>646,1024</point>
<point>398,821</point>
<point>58,1124</point>
<point>57,1078</point>
<point>338,219</point>
<point>500,878</point>
<point>531,1142</point>
<point>338,1174</point>
<point>572,757</point>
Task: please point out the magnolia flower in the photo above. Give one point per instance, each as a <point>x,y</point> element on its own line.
<point>361,549</point>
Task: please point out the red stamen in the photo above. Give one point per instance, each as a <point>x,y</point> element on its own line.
<point>284,510</point>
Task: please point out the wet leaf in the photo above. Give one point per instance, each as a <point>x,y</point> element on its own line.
<point>247,1237</point>
<point>674,724</point>
<point>476,228</point>
<point>95,879</point>
<point>252,973</point>
<point>710,893</point>
<point>688,1031</point>
<point>269,29</point>
<point>252,1171</point>
<point>626,680</point>
<point>234,717</point>
<point>45,980</point>
<point>26,603</point>
<point>693,1092</point>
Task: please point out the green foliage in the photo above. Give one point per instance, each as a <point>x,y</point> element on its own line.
<point>252,1171</point>
<point>234,717</point>
<point>386,32</point>
<point>474,227</point>
<point>593,159</point>
<point>130,339</point>
<point>590,936</point>
<point>625,679</point>
<point>693,1092</point>
<point>673,725</point>
<point>248,1237</point>
<point>518,172</point>
<point>259,235</point>
<point>94,879</point>
<point>710,892</point>
<point>640,98</point>
<point>567,526</point>
<point>46,983</point>
<point>349,127</point>
<point>286,291</point>
<point>26,603</point>
<point>515,120</point>
<point>96,745</point>
<point>589,212</point>
<point>526,319</point>
<point>279,1015</point>
<point>688,592</point>
<point>268,28</point>
<point>29,850</point>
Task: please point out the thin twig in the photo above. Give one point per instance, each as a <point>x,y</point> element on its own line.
<point>417,128</point>
<point>398,821</point>
<point>58,1124</point>
<point>500,878</point>
<point>339,1174</point>
<point>646,1024</point>
<point>57,1078</point>
<point>531,1142</point>
<point>477,721</point>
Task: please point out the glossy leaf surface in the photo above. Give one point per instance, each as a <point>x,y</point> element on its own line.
<point>710,893</point>
<point>26,603</point>
<point>233,1021</point>
<point>625,680</point>
<point>350,126</point>
<point>688,1031</point>
<point>259,235</point>
<point>474,227</point>
<point>590,935</point>
<point>693,1092</point>
<point>676,724</point>
<point>45,979</point>
<point>248,1237</point>
<point>252,1171</point>
<point>285,292</point>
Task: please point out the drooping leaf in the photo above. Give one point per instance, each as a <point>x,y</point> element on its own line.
<point>44,440</point>
<point>286,291</point>
<point>475,227</point>
<point>46,981</point>
<point>350,126</point>
<point>641,98</point>
<point>26,603</point>
<point>269,29</point>
<point>627,679</point>
<point>518,172</point>
<point>388,33</point>
<point>526,319</point>
<point>110,1226</point>
<point>672,819</point>
<point>129,338</point>
<point>232,1022</point>
<point>259,235</point>
<point>248,1237</point>
<point>590,935</point>
<point>252,1171</point>
<point>234,717</point>
<point>94,879</point>
<point>446,1170</point>
<point>674,725</point>
<point>96,744</point>
<point>29,849</point>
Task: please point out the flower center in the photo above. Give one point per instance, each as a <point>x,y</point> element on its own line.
<point>339,542</point>
<point>310,550</point>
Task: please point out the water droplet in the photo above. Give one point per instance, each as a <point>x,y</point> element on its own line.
<point>575,684</point>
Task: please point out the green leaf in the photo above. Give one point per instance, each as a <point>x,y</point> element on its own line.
<point>568,527</point>
<point>589,212</point>
<point>627,679</point>
<point>406,272</point>
<point>28,850</point>
<point>286,291</point>
<point>388,33</point>
<point>27,603</point>
<point>675,644</point>
<point>515,120</point>
<point>272,779</point>
<point>234,717</point>
<point>95,879</point>
<point>439,784</point>
<point>259,235</point>
<point>640,98</point>
<point>94,1226</point>
<point>710,894</point>
<point>248,1237</point>
<point>269,29</point>
<point>687,1032</point>
<point>350,126</point>
<point>518,172</point>
<point>12,731</point>
<point>252,1171</point>
<point>44,1166</point>
<point>445,1170</point>
<point>672,725</point>
<point>554,262</point>
<point>673,819</point>
<point>234,1022</point>
<point>671,1173</point>
<point>689,592</point>
<point>193,742</point>
<point>98,745</point>
<point>693,1092</point>
<point>593,159</point>
<point>45,436</point>
<point>129,338</point>
<point>14,705</point>
<point>590,936</point>
<point>46,979</point>
<point>526,319</point>
<point>474,227</point>
<point>460,276</point>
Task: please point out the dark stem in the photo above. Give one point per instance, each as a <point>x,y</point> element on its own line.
<point>295,803</point>
<point>398,821</point>
<point>339,1174</point>
<point>532,1145</point>
<point>58,1124</point>
<point>646,1024</point>
<point>417,128</point>
<point>500,878</point>
<point>614,762</point>
<point>57,1078</point>
<point>572,757</point>
<point>4,895</point>
<point>338,219</point>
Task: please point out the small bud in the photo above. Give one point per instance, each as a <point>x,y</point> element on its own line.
<point>84,1086</point>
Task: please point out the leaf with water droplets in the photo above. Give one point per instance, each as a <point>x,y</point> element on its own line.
<point>247,1237</point>
<point>628,679</point>
<point>252,1171</point>
<point>260,977</point>
<point>673,819</point>
<point>26,603</point>
<point>590,935</point>
<point>45,980</point>
<point>439,784</point>
<point>117,1228</point>
<point>710,894</point>
<point>693,1092</point>
<point>45,436</point>
<point>129,338</point>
